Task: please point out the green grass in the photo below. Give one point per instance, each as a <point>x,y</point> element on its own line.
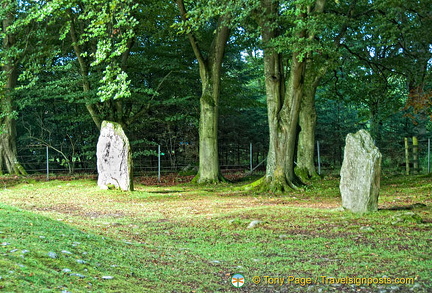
<point>193,239</point>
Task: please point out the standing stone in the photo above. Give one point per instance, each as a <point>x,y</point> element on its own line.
<point>114,161</point>
<point>360,173</point>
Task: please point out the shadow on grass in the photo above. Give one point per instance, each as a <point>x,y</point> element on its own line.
<point>404,208</point>
<point>165,191</point>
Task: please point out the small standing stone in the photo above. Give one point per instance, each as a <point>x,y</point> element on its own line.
<point>114,160</point>
<point>360,173</point>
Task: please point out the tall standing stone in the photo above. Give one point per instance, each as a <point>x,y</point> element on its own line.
<point>360,173</point>
<point>114,161</point>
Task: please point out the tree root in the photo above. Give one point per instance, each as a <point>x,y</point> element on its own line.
<point>305,175</point>
<point>198,180</point>
<point>268,184</point>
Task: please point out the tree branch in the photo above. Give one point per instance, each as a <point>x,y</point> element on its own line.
<point>145,109</point>
<point>84,70</point>
<point>76,47</point>
<point>192,39</point>
<point>220,40</point>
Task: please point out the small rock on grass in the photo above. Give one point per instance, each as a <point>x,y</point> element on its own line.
<point>107,277</point>
<point>253,224</point>
<point>77,275</point>
<point>415,287</point>
<point>52,254</point>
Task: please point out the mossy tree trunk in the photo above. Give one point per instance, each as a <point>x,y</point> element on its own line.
<point>305,167</point>
<point>283,111</point>
<point>210,69</point>
<point>283,105</point>
<point>209,169</point>
<point>8,149</point>
<point>285,93</point>
<point>316,67</point>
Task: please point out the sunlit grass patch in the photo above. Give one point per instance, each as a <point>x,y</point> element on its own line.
<point>160,238</point>
<point>44,255</point>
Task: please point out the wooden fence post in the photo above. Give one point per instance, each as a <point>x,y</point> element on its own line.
<point>415,155</point>
<point>407,168</point>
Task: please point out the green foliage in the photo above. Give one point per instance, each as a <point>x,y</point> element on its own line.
<point>115,84</point>
<point>381,59</point>
<point>201,13</point>
<point>108,27</point>
<point>141,72</point>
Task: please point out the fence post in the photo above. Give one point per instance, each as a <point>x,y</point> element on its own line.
<point>250,157</point>
<point>319,157</point>
<point>429,152</point>
<point>47,163</point>
<point>159,164</point>
<point>415,155</point>
<point>407,167</point>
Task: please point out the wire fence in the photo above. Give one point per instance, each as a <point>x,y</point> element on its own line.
<point>152,159</point>
<point>393,156</point>
<point>147,159</point>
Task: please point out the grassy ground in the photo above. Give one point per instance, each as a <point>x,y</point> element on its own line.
<point>70,236</point>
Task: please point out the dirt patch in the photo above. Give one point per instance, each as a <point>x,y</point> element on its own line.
<point>175,179</point>
<point>67,209</point>
<point>75,210</point>
<point>170,179</point>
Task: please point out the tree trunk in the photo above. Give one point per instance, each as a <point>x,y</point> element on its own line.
<point>209,170</point>
<point>283,113</point>
<point>283,102</point>
<point>8,150</point>
<point>315,70</point>
<point>210,69</point>
<point>84,70</point>
<point>305,168</point>
<point>210,72</point>
<point>283,108</point>
<point>375,120</point>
